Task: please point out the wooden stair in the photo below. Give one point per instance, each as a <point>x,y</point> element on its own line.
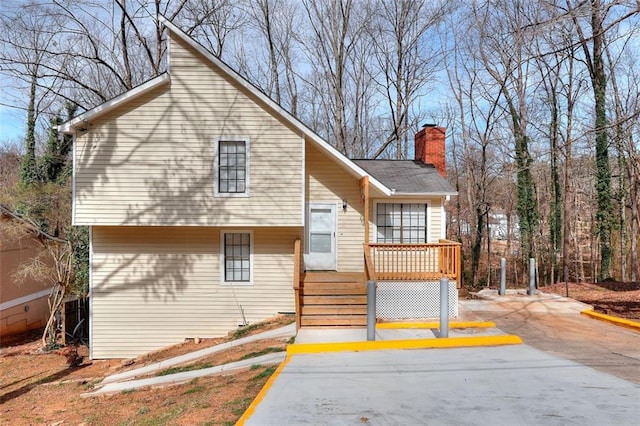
<point>333,299</point>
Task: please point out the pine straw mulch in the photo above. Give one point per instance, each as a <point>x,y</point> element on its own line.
<point>620,299</point>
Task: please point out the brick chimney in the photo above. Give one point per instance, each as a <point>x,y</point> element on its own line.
<point>429,147</point>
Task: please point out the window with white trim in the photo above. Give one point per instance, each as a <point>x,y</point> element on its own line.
<point>237,257</point>
<point>401,223</point>
<point>232,167</point>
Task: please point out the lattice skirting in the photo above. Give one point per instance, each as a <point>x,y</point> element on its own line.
<point>412,299</point>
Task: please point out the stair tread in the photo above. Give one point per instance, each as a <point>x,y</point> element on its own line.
<point>334,310</point>
<point>334,300</point>
<point>319,291</point>
<point>332,277</point>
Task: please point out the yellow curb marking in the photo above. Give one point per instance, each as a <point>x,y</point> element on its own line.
<point>263,392</point>
<point>614,320</point>
<point>451,342</point>
<point>454,324</point>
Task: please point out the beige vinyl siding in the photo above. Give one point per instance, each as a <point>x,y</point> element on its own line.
<point>326,182</point>
<point>150,162</point>
<point>437,220</point>
<point>156,286</point>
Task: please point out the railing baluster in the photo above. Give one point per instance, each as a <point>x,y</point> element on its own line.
<point>416,261</point>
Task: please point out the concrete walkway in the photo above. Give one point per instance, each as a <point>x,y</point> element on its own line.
<point>268,359</point>
<point>287,331</point>
<point>125,381</point>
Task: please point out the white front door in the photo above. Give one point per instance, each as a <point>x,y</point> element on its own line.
<point>320,248</point>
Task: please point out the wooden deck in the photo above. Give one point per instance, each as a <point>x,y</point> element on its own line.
<point>332,299</point>
<point>340,298</point>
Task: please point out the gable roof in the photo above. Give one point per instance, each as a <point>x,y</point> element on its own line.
<point>355,169</point>
<point>407,177</point>
<point>68,127</point>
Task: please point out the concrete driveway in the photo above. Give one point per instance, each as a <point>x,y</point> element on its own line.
<point>571,370</point>
<point>553,324</point>
<point>507,385</point>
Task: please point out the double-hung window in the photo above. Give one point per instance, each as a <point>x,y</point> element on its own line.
<point>232,167</point>
<point>401,223</point>
<point>237,252</point>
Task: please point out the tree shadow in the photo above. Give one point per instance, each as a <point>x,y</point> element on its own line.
<point>146,176</point>
<point>30,386</point>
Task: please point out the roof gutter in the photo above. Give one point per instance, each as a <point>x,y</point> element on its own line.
<point>396,194</point>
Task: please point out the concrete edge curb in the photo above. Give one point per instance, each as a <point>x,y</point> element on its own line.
<point>263,392</point>
<point>453,324</point>
<point>452,342</point>
<point>622,322</point>
<point>178,378</point>
<point>286,331</point>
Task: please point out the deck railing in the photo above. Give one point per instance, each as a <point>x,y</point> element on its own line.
<point>411,262</point>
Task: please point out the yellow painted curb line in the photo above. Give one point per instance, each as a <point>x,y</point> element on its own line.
<point>451,342</point>
<point>311,348</point>
<point>258,399</point>
<point>454,324</point>
<point>634,325</point>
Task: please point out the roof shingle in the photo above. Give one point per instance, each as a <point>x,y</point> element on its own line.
<point>407,176</point>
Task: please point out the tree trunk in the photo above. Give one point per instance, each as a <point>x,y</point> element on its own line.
<point>28,172</point>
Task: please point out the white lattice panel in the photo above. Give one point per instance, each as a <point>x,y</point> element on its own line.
<point>412,299</point>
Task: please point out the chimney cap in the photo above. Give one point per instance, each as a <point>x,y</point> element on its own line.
<point>429,125</point>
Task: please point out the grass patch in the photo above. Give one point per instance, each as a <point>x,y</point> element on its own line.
<point>265,374</point>
<point>195,389</point>
<point>191,367</point>
<point>255,367</point>
<point>264,351</point>
<point>243,331</point>
<point>239,405</point>
<point>162,419</point>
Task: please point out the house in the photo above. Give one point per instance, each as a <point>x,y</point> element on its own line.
<point>23,306</point>
<point>210,207</point>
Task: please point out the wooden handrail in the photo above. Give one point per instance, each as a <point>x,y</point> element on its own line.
<point>369,269</point>
<point>296,263</point>
<point>296,280</point>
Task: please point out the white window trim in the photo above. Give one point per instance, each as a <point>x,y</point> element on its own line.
<point>428,217</point>
<point>222,259</point>
<point>216,167</point>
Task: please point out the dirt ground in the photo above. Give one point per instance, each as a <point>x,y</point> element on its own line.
<point>39,387</point>
<point>608,297</point>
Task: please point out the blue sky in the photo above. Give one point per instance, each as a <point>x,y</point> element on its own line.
<point>11,123</point>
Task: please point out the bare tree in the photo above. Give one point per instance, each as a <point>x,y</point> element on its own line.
<point>275,23</point>
<point>336,27</point>
<point>502,49</point>
<point>212,22</point>
<point>407,62</point>
<point>592,41</point>
<point>27,34</point>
